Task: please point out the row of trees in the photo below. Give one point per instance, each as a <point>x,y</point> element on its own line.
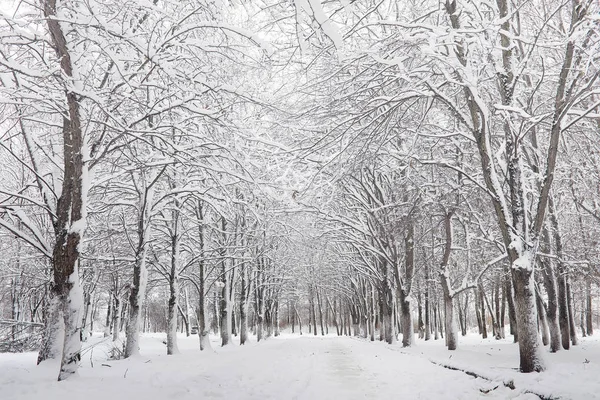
<point>358,165</point>
<point>455,157</point>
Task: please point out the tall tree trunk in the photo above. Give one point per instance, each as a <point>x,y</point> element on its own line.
<point>117,318</point>
<point>478,311</point>
<point>450,317</point>
<point>172,317</point>
<point>244,304</point>
<point>299,319</point>
<point>550,285</point>
<point>588,307</point>
<point>87,302</point>
<point>465,312</point>
<point>510,301</point>
<point>483,317</point>
<point>436,334</point>
<point>172,347</point>
<point>461,317</point>
<point>260,301</point>
<point>137,293</point>
<point>572,325</point>
<point>497,300</point>
<point>542,320</point>
<point>202,315</point>
<point>491,312</point>
<point>427,305</point>
<point>108,316</point>
<point>70,216</point>
<point>529,343</point>
<point>293,319</point>
<point>314,315</point>
<point>53,338</point>
<point>224,308</point>
<point>503,309</point>
<point>420,323</point>
<point>276,318</point>
<point>405,287</point>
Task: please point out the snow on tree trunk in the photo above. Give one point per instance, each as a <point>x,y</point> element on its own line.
<point>70,212</point>
<point>72,331</point>
<point>427,305</point>
<point>87,301</point>
<point>387,317</point>
<point>371,319</point>
<point>243,321</point>
<point>542,320</point>
<point>108,317</point>
<point>588,308</point>
<point>224,301</point>
<point>203,333</point>
<point>320,307</point>
<point>276,319</point>
<point>172,317</point>
<point>450,318</point>
<point>573,331</point>
<point>510,301</point>
<point>117,318</point>
<point>52,342</point>
<point>137,292</point>
<point>530,349</point>
<point>173,283</point>
<point>406,319</point>
<point>243,305</point>
<point>551,291</point>
<point>225,313</point>
<point>136,303</point>
<point>404,288</point>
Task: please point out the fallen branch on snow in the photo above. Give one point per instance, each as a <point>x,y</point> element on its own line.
<point>507,383</point>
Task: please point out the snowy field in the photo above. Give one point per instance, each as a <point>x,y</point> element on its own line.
<point>307,367</point>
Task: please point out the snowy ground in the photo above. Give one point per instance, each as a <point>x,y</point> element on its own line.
<point>307,367</point>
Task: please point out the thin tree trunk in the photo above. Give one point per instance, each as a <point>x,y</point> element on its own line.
<point>244,305</point>
<point>117,318</point>
<point>588,307</point>
<point>483,318</point>
<point>137,293</point>
<point>108,315</point>
<point>551,291</point>
<point>450,318</point>
<point>427,305</point>
<point>224,308</point>
<point>172,347</point>
<point>405,290</point>
<point>570,301</point>
<point>542,320</point>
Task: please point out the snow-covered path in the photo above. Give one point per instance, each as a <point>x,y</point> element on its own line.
<point>290,367</point>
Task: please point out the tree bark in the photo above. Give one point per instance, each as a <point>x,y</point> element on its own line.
<point>588,307</point>
<point>550,285</point>
<point>70,214</point>
<point>137,293</point>
<point>573,331</point>
<point>224,308</point>
<point>405,287</point>
<point>427,305</point>
<point>450,317</point>
<point>542,320</point>
<point>244,305</point>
